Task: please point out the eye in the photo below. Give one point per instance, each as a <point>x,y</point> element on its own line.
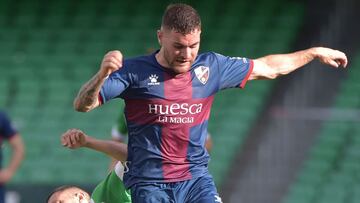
<point>193,46</point>
<point>178,46</point>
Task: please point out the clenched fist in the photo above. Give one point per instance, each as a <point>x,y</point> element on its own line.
<point>111,62</point>
<point>74,139</point>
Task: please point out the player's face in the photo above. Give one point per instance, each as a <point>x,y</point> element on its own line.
<point>179,51</point>
<point>70,195</point>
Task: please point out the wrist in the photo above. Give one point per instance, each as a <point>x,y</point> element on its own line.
<point>315,52</point>
<point>88,141</point>
<point>101,75</point>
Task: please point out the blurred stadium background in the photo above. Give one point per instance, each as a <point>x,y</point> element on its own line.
<point>293,140</point>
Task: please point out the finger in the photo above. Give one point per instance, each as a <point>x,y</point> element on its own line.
<point>63,135</point>
<point>68,138</point>
<point>117,60</point>
<point>333,63</point>
<point>63,140</point>
<point>344,62</point>
<point>341,62</point>
<point>73,139</point>
<point>341,57</point>
<point>77,137</point>
<point>116,55</point>
<point>81,136</point>
<point>112,65</point>
<point>114,61</point>
<point>67,141</point>
<point>111,61</point>
<point>109,53</point>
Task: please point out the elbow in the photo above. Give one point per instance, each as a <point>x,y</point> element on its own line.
<point>21,152</point>
<point>84,110</point>
<point>18,146</point>
<point>273,76</point>
<point>276,74</point>
<point>270,76</point>
<point>80,108</point>
<point>77,106</point>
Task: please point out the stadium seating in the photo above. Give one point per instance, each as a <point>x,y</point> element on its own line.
<point>48,49</point>
<point>331,173</point>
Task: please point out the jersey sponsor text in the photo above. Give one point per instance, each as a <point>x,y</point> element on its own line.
<point>175,113</point>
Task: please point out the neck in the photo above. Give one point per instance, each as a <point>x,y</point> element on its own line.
<point>161,59</point>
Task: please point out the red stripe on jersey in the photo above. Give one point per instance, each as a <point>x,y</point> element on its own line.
<point>175,138</point>
<point>243,83</point>
<point>100,99</point>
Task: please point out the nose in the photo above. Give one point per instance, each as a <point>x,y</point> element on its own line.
<point>186,53</point>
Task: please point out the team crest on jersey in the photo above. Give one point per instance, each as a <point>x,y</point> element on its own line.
<point>202,73</point>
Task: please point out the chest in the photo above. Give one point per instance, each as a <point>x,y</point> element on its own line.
<point>163,85</point>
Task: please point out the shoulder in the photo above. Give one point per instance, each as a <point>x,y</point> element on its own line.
<point>139,64</point>
<point>207,59</point>
<point>139,60</point>
<point>207,55</point>
<point>3,116</point>
<point>213,57</point>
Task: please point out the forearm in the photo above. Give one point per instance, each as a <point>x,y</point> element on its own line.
<point>111,148</point>
<point>17,153</point>
<point>87,98</point>
<point>112,164</point>
<point>282,64</point>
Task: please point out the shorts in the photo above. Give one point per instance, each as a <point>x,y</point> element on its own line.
<point>199,190</point>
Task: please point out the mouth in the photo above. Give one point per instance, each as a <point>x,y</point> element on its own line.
<point>182,61</point>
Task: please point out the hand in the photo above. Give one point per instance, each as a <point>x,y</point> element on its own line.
<point>111,62</point>
<point>331,57</point>
<point>5,175</point>
<point>74,139</point>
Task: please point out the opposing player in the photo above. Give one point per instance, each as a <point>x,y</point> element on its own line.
<point>168,97</point>
<point>68,194</point>
<point>118,134</point>
<point>12,136</point>
<point>112,189</point>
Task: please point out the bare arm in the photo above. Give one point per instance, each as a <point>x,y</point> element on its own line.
<point>114,149</point>
<point>272,66</point>
<point>113,161</point>
<point>75,138</point>
<point>87,98</point>
<point>17,156</point>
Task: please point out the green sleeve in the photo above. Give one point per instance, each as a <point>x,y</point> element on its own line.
<point>111,190</point>
<point>122,127</point>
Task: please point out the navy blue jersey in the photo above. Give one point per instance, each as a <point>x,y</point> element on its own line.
<point>6,129</point>
<point>167,114</point>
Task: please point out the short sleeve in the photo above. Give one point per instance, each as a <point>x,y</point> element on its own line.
<point>115,85</point>
<point>7,130</point>
<point>234,71</point>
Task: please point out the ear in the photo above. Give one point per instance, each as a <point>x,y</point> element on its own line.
<point>160,36</point>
